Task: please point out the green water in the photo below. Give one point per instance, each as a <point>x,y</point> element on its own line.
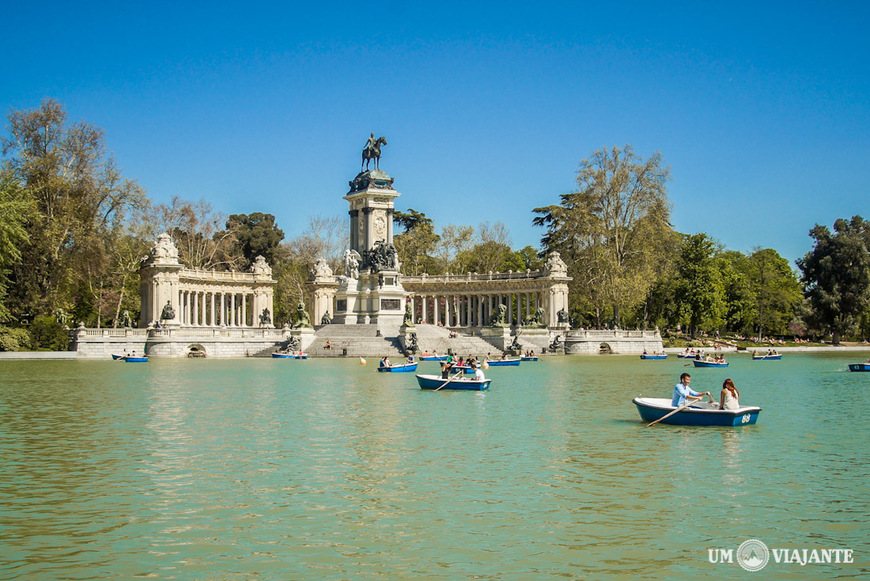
<point>291,469</point>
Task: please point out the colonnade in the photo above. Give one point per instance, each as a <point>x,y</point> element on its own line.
<point>474,309</point>
<point>216,309</point>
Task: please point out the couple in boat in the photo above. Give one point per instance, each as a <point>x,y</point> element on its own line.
<point>729,397</point>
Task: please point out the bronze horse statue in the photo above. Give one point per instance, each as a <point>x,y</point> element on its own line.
<point>373,152</point>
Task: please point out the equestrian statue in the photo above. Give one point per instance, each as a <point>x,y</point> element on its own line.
<point>372,151</point>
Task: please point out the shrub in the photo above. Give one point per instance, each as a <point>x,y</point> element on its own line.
<point>48,335</point>
<point>12,339</point>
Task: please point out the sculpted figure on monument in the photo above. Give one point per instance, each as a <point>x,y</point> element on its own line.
<point>260,266</point>
<point>408,321</point>
<point>372,151</point>
<point>164,251</point>
<point>168,312</point>
<point>351,264</point>
<point>382,256</point>
<point>498,317</point>
<point>302,320</point>
<point>555,264</point>
<point>326,319</point>
<point>562,316</point>
<point>321,269</point>
<point>265,318</point>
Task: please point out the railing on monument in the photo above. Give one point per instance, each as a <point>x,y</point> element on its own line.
<point>475,277</point>
<point>183,332</point>
<point>610,333</point>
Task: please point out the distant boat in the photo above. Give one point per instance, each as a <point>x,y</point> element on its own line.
<point>398,368</point>
<point>503,362</point>
<point>531,358</point>
<point>702,363</point>
<point>685,355</point>
<point>767,357</point>
<point>859,367</point>
<point>301,356</point>
<point>433,358</point>
<point>135,359</point>
<point>116,357</point>
<point>655,356</point>
<point>653,408</point>
<point>435,382</point>
<point>282,356</point>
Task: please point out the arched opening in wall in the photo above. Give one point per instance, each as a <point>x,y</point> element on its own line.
<point>196,351</point>
<point>605,349</point>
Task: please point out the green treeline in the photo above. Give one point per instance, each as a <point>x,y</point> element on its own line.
<point>73,231</point>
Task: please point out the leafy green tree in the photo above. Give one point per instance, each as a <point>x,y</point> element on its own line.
<point>256,235</point>
<point>775,288</point>
<point>613,230</point>
<point>417,244</point>
<point>16,209</point>
<point>836,275</point>
<point>78,193</point>
<point>700,291</point>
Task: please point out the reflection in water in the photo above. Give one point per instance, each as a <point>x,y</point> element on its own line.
<point>324,470</point>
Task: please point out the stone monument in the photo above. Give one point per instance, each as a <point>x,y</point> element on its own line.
<point>370,289</point>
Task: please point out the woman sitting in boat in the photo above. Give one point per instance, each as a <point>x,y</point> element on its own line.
<point>729,397</point>
<point>385,362</point>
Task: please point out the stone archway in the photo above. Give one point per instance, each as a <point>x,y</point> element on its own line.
<point>605,349</point>
<point>196,350</point>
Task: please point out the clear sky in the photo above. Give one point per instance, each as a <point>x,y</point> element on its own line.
<point>760,109</point>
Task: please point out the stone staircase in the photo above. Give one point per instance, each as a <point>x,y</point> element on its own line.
<point>369,341</point>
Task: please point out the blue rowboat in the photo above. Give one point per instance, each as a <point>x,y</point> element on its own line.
<point>701,414</point>
<point>702,363</point>
<point>433,358</point>
<point>131,359</point>
<point>859,367</point>
<point>465,368</point>
<point>656,356</point>
<point>528,358</point>
<point>503,362</point>
<point>686,355</point>
<point>116,357</point>
<point>766,357</point>
<point>454,383</point>
<point>301,356</point>
<point>398,368</point>
<point>282,356</point>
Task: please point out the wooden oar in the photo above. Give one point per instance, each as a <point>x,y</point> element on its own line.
<point>679,409</point>
<point>449,379</point>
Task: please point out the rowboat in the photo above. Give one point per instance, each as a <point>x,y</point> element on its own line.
<point>433,358</point>
<point>859,367</point>
<point>398,368</point>
<point>702,363</point>
<point>656,356</point>
<point>533,358</point>
<point>454,383</point>
<point>282,355</point>
<point>767,357</point>
<point>700,414</point>
<point>503,362</point>
<point>116,357</point>
<point>686,355</point>
<point>132,359</point>
<point>301,356</point>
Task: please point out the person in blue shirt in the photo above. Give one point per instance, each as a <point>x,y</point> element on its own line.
<point>683,393</point>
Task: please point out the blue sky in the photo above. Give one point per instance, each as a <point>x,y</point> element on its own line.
<point>760,109</point>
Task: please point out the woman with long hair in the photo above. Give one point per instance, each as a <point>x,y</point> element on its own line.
<point>729,398</point>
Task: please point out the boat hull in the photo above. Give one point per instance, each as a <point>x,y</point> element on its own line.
<point>766,357</point>
<point>859,367</point>
<point>503,362</point>
<point>653,356</point>
<point>408,367</point>
<point>129,359</point>
<point>528,358</point>
<point>281,356</point>
<point>708,364</point>
<point>454,383</point>
<point>652,409</point>
<point>433,358</point>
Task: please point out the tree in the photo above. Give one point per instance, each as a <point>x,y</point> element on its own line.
<point>16,209</point>
<point>256,235</point>
<point>417,243</point>
<point>775,288</point>
<point>614,230</point>
<point>700,290</point>
<point>78,194</point>
<point>195,230</point>
<point>836,275</point>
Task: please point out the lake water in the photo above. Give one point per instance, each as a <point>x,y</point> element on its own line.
<point>326,469</point>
